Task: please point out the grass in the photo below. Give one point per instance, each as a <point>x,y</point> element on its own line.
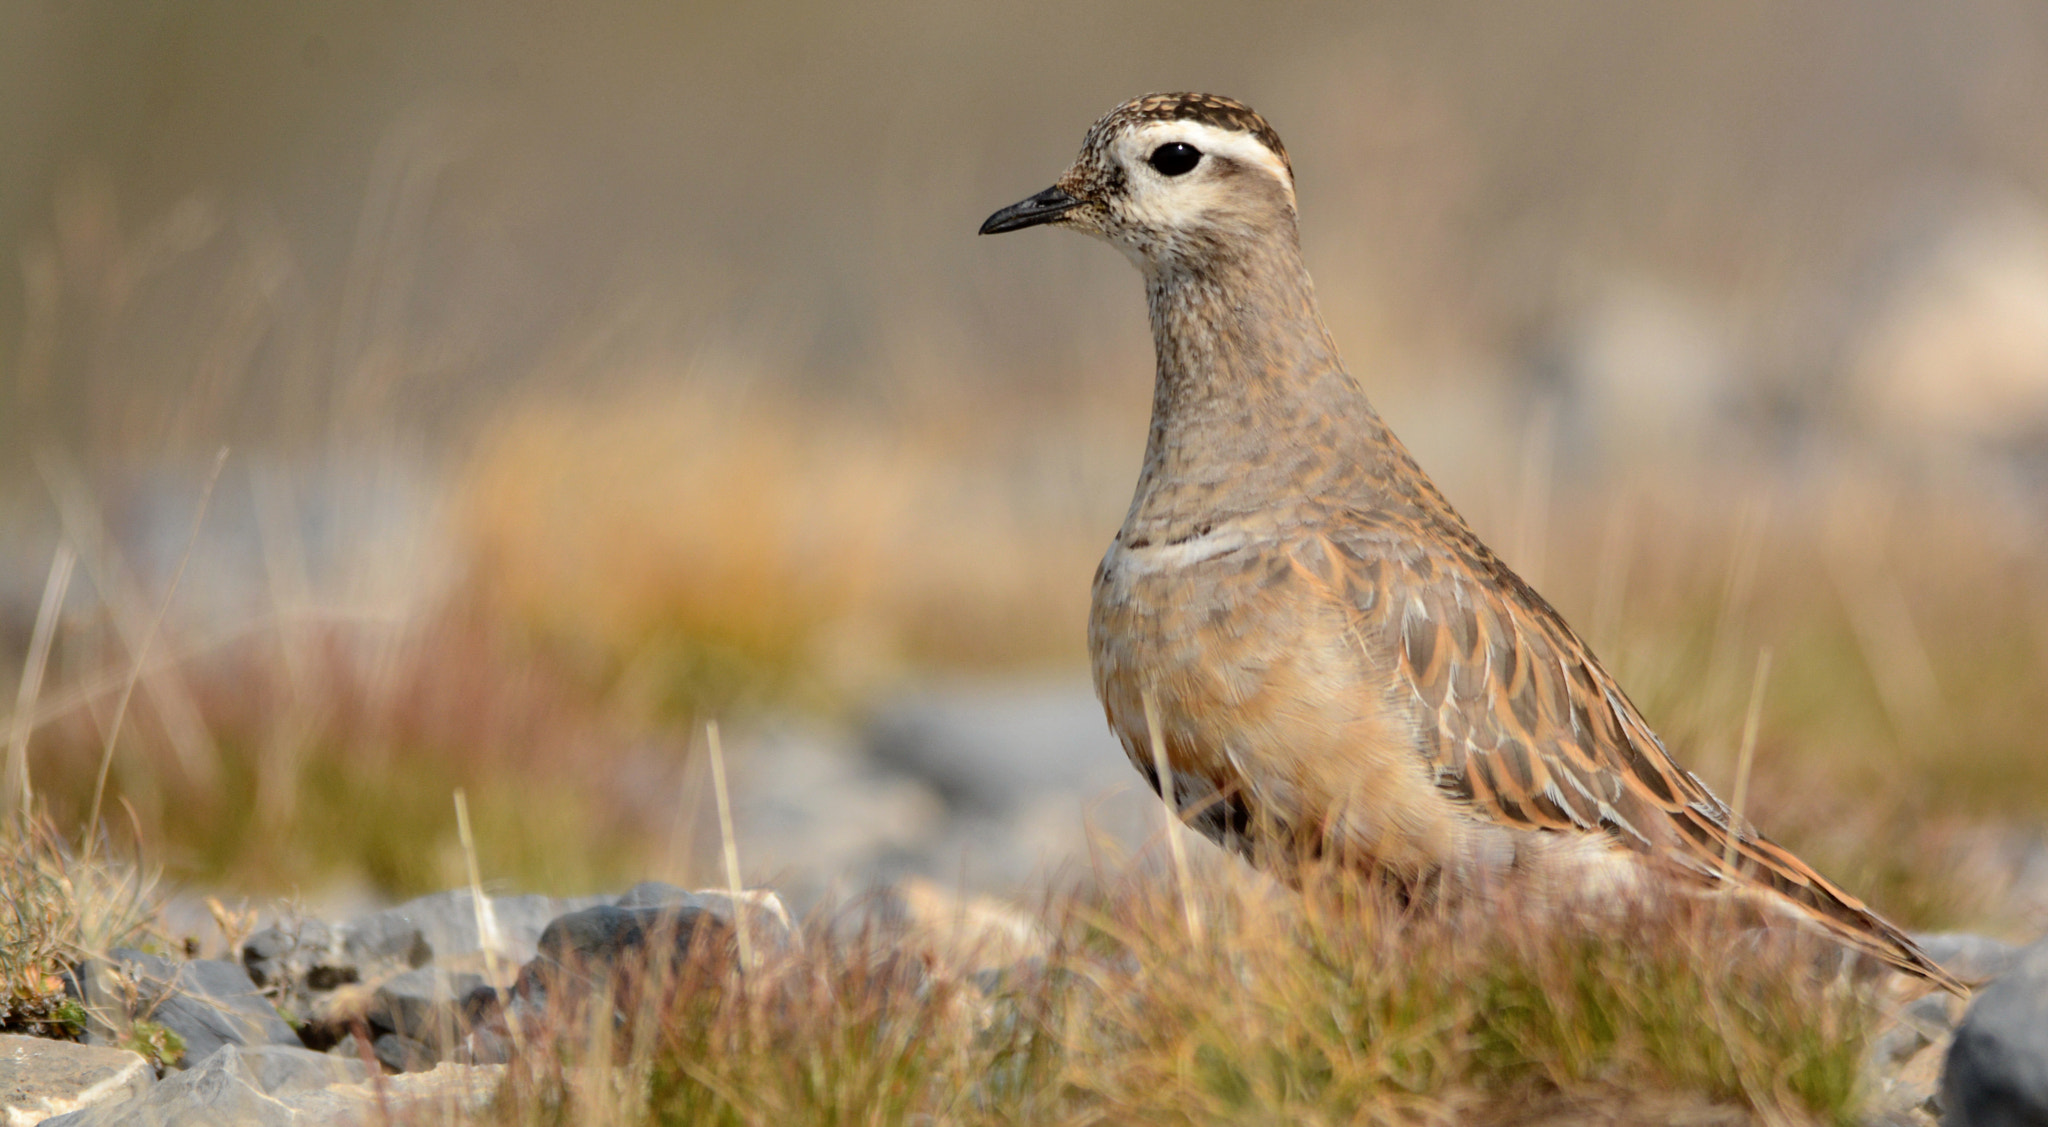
<point>1336,1007</point>
<point>60,907</point>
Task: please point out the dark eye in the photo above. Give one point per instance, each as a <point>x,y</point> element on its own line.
<point>1174,158</point>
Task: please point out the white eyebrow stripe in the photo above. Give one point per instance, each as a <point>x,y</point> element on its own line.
<point>1231,143</point>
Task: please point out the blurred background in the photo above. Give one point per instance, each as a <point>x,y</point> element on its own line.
<point>590,372</point>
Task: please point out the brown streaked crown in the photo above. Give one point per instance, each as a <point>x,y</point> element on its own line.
<point>1209,109</point>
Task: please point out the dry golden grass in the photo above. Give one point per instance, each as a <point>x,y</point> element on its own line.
<point>60,906</point>
<point>708,541</point>
<point>1334,1007</point>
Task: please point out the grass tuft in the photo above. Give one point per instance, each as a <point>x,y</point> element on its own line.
<point>1337,1007</point>
<point>59,908</point>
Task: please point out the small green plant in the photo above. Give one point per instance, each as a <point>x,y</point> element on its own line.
<point>161,1047</point>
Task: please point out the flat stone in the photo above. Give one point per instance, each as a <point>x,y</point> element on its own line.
<point>207,1002</point>
<point>219,1089</point>
<point>1997,1067</point>
<point>283,1070</point>
<point>40,1078</point>
<point>447,1093</point>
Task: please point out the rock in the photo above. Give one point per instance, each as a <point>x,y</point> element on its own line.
<point>989,748</point>
<point>489,1040</point>
<point>301,951</point>
<point>592,945</point>
<point>444,924</point>
<point>1972,958</point>
<point>1033,777</point>
<point>600,936</point>
<point>219,1089</point>
<point>613,952</point>
<point>350,1047</point>
<point>207,1002</point>
<point>654,894</point>
<point>403,1054</point>
<point>328,976</point>
<point>229,1087</point>
<point>1919,1023</point>
<point>423,1004</point>
<point>283,1070</point>
<point>1997,1067</point>
<point>40,1078</point>
<point>1912,1089</point>
<point>448,1093</point>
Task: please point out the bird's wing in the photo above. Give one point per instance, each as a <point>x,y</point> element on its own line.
<point>1530,732</point>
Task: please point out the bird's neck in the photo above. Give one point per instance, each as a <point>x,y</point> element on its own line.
<point>1252,404</point>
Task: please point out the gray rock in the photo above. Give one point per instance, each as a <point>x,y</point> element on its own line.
<point>283,1070</point>
<point>449,1093</point>
<point>305,963</point>
<point>1918,1024</point>
<point>610,951</point>
<point>423,1004</point>
<point>40,1078</point>
<point>595,942</point>
<point>267,1087</point>
<point>492,1043</point>
<point>1904,1095</point>
<point>1972,958</point>
<point>350,1048</point>
<point>219,1089</point>
<point>990,748</point>
<point>298,951</point>
<point>403,1054</point>
<point>654,894</point>
<point>207,1002</point>
<point>444,924</point>
<point>1034,780</point>
<point>1997,1068</point>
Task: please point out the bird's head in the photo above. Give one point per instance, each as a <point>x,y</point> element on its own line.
<point>1175,181</point>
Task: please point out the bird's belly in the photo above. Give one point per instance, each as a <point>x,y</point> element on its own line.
<point>1280,718</point>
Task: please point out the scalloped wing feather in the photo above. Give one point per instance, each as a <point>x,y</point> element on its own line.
<point>1531,733</point>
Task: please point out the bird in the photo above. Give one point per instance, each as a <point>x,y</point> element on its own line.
<point>1297,627</point>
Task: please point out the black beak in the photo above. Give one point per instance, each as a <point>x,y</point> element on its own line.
<point>1044,207</point>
